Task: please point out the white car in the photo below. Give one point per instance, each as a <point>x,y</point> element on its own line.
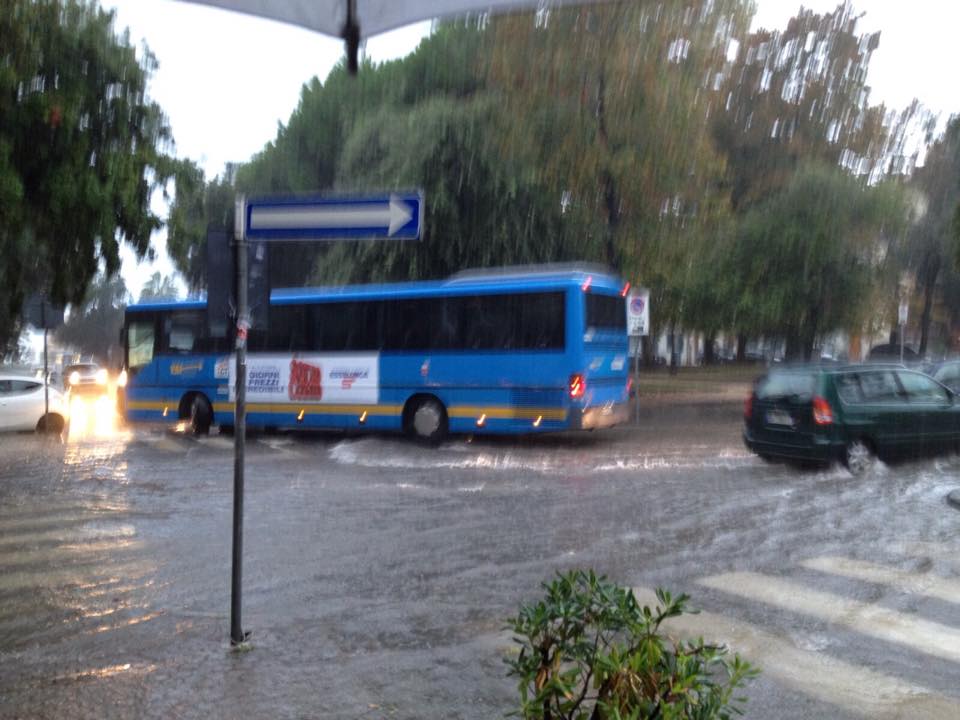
<point>22,405</point>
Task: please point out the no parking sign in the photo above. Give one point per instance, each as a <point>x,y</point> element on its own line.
<point>638,312</point>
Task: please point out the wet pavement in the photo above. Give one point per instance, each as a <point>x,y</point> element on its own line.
<point>378,574</point>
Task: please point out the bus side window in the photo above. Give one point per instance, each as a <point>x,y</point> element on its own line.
<point>288,329</point>
<point>182,329</point>
<point>542,322</point>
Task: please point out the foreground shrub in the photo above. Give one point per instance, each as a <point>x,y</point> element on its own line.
<point>589,651</point>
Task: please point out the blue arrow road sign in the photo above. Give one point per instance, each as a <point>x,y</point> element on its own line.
<point>394,216</point>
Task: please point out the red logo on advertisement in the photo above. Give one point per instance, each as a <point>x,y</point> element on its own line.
<point>347,383</point>
<point>305,381</point>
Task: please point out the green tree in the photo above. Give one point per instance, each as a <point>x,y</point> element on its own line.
<point>800,95</point>
<point>610,104</point>
<point>159,287</point>
<point>928,247</point>
<point>93,328</point>
<point>308,151</point>
<point>197,207</point>
<point>484,209</point>
<point>812,258</point>
<point>81,150</point>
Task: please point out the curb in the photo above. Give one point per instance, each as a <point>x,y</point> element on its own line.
<point>953,498</point>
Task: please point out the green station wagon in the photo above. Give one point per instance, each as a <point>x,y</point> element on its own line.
<point>850,414</point>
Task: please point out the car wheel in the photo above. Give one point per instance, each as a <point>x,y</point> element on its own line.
<point>50,423</point>
<point>428,421</point>
<point>201,415</point>
<point>859,457</point>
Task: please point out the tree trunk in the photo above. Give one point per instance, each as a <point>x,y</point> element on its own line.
<point>929,285</point>
<point>708,356</point>
<point>673,348</point>
<point>741,347</point>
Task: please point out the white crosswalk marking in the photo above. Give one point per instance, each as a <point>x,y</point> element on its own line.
<point>857,689</point>
<point>923,636</point>
<point>901,580</point>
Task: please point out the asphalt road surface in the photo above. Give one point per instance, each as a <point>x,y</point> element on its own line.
<point>378,574</point>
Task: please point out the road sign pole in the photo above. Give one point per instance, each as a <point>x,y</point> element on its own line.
<point>237,635</point>
<point>46,372</point>
<point>392,216</point>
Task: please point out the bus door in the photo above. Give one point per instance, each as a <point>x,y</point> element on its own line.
<point>183,366</point>
<point>141,346</point>
<point>141,349</point>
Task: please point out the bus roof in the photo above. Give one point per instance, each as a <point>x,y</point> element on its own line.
<point>539,277</point>
<point>168,305</point>
<point>459,284</point>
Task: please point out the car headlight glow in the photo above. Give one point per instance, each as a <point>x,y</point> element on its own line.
<point>122,379</point>
<point>74,377</point>
<point>101,376</point>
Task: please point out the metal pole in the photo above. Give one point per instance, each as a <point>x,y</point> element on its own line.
<point>636,377</point>
<point>46,372</point>
<point>902,328</point>
<point>237,635</point>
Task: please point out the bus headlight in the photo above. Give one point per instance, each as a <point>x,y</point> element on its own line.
<point>122,379</point>
<point>101,376</point>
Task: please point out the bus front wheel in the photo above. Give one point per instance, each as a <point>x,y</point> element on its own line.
<point>427,420</point>
<point>201,415</point>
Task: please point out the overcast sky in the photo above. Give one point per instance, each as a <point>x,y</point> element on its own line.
<point>226,80</point>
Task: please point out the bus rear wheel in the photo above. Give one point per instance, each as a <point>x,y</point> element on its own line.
<point>427,420</point>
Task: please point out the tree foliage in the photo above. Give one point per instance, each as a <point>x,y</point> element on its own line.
<point>930,240</point>
<point>800,95</point>
<point>159,287</point>
<point>608,102</point>
<point>197,207</point>
<point>93,327</point>
<point>661,139</point>
<point>811,258</point>
<point>81,150</point>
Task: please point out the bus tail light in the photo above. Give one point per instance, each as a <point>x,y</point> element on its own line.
<point>822,412</point>
<point>578,386</point>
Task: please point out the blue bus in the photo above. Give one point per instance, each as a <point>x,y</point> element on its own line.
<point>525,350</point>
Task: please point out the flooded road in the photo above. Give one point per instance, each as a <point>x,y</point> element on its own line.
<point>378,574</point>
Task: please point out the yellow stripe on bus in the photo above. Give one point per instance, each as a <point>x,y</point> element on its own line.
<point>456,411</point>
<point>313,408</point>
<point>146,405</point>
<point>507,412</point>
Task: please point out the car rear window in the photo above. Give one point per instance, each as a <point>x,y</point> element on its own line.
<point>790,386</point>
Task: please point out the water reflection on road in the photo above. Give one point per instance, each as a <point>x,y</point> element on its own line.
<point>378,572</point>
